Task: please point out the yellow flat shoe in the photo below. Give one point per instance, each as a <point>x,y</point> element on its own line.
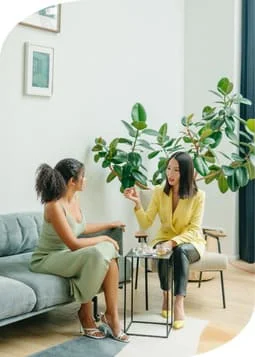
<point>164,313</point>
<point>178,324</point>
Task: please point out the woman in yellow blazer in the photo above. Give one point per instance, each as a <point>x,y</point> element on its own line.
<point>179,205</point>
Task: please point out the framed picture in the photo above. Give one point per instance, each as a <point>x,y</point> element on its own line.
<point>46,19</point>
<point>39,61</point>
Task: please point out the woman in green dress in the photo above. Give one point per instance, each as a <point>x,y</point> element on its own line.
<point>89,263</point>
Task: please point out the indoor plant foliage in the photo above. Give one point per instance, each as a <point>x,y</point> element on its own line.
<point>201,138</point>
<point>123,155</point>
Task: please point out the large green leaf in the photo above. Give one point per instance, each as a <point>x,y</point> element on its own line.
<point>139,125</point>
<point>163,130</point>
<point>120,158</point>
<point>216,123</point>
<point>138,113</point>
<point>151,155</point>
<point>113,144</point>
<point>245,135</point>
<point>230,123</point>
<point>131,130</point>
<point>222,183</point>
<point>106,163</point>
<point>216,93</point>
<point>251,170</point>
<point>127,181</point>
<point>236,157</point>
<point>125,141</point>
<point>118,170</point>
<point>168,143</point>
<point>232,183</point>
<point>211,176</point>
<point>201,165</point>
<point>184,121</point>
<point>217,136</point>
<point>238,98</point>
<point>151,132</point>
<point>208,141</point>
<point>228,170</point>
<point>251,125</point>
<point>231,135</point>
<point>110,177</point>
<point>252,159</point>
<point>242,176</point>
<point>97,147</point>
<point>138,176</point>
<point>145,144</point>
<point>224,86</point>
<point>208,112</point>
<point>134,159</point>
<point>100,141</point>
<point>162,163</point>
<point>205,132</point>
<point>209,156</point>
<point>214,168</point>
<point>187,139</point>
<point>96,157</point>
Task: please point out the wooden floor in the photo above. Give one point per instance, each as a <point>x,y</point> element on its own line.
<point>45,330</point>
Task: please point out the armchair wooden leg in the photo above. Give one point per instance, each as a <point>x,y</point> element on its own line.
<point>222,289</point>
<point>200,279</point>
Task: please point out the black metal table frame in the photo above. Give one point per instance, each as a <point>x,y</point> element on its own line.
<point>167,323</point>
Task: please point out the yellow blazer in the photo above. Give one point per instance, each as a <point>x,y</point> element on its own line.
<point>183,226</point>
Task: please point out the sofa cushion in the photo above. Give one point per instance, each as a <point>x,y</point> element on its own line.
<point>49,289</point>
<point>16,298</point>
<point>19,232</point>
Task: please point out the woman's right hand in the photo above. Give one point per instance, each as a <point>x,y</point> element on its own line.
<point>132,195</point>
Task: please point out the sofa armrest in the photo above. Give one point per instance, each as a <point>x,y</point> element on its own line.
<point>114,233</point>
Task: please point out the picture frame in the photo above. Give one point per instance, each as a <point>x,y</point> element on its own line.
<point>48,19</point>
<point>39,62</point>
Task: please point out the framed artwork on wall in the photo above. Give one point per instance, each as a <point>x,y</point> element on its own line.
<point>39,62</point>
<point>45,19</point>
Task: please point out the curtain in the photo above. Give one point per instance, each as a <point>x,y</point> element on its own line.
<point>247,193</point>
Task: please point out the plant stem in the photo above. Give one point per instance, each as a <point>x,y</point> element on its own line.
<point>136,137</point>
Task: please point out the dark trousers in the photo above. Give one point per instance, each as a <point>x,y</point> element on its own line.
<point>183,255</point>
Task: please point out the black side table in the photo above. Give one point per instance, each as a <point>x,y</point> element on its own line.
<point>131,255</point>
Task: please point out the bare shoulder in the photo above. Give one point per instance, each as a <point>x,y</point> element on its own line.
<point>52,210</point>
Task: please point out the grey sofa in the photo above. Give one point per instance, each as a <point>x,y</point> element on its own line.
<point>24,293</point>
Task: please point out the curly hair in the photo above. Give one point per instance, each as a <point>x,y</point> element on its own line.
<point>51,182</point>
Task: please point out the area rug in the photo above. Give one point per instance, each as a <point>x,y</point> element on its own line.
<point>83,346</point>
<point>183,343</point>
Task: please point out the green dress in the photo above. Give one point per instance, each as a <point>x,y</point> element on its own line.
<point>85,267</point>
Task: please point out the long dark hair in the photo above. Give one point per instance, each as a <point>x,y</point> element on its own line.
<point>188,186</point>
<point>51,182</point>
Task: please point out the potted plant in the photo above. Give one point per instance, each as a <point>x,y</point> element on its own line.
<point>201,138</point>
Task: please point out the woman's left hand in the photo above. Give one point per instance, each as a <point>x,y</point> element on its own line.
<point>118,224</point>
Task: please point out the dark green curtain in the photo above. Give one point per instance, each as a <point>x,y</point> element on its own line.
<point>247,194</point>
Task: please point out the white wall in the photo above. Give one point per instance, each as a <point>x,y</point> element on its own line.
<point>212,51</point>
<point>108,56</point>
